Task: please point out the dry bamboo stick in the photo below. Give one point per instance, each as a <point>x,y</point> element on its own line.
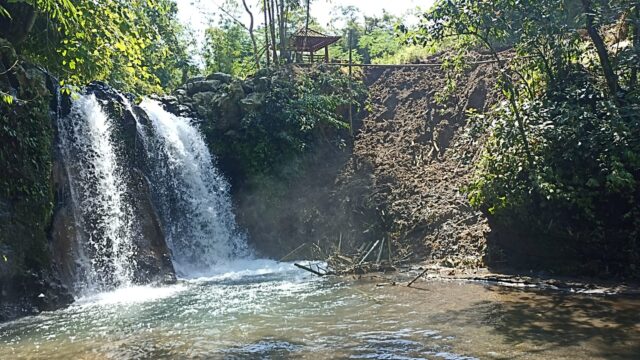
<point>369,252</point>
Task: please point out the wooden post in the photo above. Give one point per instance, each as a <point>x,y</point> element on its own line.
<point>311,56</point>
<point>326,54</point>
<point>350,86</point>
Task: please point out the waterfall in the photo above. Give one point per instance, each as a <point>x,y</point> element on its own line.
<point>106,256</point>
<point>192,196</point>
<point>143,186</point>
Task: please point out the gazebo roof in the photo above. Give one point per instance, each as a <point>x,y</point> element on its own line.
<point>311,41</point>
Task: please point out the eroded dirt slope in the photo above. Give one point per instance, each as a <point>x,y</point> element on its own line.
<point>402,178</point>
<point>417,149</point>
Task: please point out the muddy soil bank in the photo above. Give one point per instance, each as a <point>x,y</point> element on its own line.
<point>401,178</point>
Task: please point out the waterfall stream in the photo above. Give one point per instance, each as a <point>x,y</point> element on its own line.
<point>97,182</point>
<point>193,197</point>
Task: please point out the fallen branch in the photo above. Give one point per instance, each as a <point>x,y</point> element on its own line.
<point>312,270</point>
<point>418,277</point>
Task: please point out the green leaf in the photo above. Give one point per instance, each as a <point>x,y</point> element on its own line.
<point>7,98</point>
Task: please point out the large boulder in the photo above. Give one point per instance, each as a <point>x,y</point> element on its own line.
<point>221,77</point>
<point>218,100</point>
<point>195,87</point>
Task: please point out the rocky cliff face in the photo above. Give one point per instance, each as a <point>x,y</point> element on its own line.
<point>39,234</point>
<point>29,280</point>
<point>414,155</point>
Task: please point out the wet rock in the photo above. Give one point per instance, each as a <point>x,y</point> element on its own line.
<point>153,257</point>
<point>175,105</point>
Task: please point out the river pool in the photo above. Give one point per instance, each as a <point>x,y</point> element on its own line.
<point>261,309</point>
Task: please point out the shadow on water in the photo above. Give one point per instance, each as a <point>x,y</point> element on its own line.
<point>555,320</point>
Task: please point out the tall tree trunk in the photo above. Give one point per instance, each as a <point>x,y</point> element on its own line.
<point>609,75</point>
<point>636,48</point>
<point>266,31</point>
<point>306,24</point>
<point>272,29</point>
<point>252,35</point>
<point>284,54</point>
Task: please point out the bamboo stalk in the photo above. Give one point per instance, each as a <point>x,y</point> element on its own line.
<point>380,252</point>
<point>369,252</point>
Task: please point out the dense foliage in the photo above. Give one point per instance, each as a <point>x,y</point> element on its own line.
<point>374,39</point>
<point>26,198</point>
<point>136,45</point>
<point>294,110</point>
<point>228,45</point>
<point>562,161</point>
<point>228,49</point>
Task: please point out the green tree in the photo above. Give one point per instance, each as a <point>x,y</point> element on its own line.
<point>228,49</point>
<point>562,156</point>
<point>132,43</point>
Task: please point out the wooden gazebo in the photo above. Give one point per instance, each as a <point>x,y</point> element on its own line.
<point>306,43</point>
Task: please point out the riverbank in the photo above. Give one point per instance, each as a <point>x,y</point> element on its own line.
<point>418,274</point>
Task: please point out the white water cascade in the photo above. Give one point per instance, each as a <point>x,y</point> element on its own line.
<point>106,257</point>
<point>192,196</point>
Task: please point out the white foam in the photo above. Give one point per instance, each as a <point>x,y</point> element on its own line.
<point>131,295</point>
<point>240,268</point>
<point>193,196</point>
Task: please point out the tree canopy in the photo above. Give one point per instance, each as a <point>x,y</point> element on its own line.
<point>137,45</point>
